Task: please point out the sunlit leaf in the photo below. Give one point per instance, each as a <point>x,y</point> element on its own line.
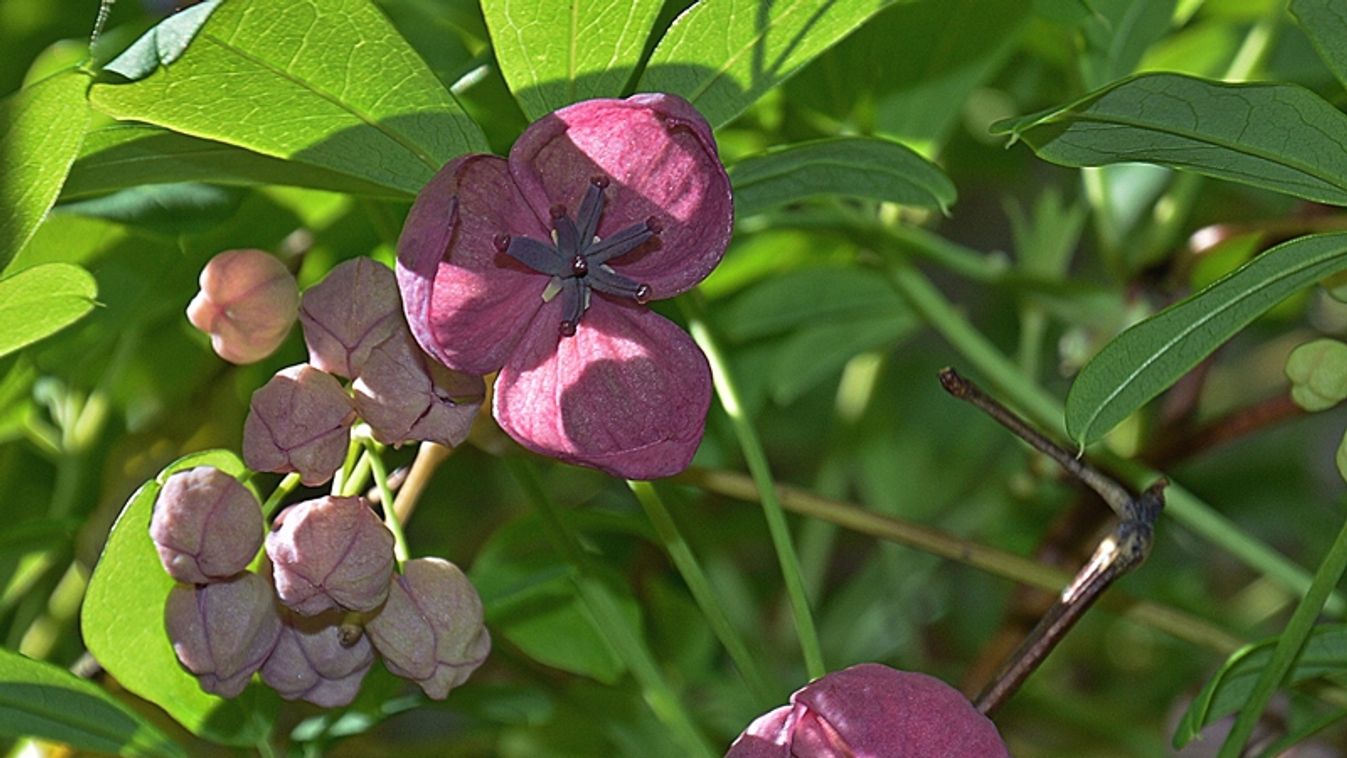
<point>123,622</point>
<point>40,301</point>
<point>327,84</point>
<point>554,53</point>
<point>1279,137</point>
<point>38,699</point>
<point>1149,357</point>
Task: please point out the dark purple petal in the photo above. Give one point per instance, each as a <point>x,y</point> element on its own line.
<point>223,632</point>
<point>405,397</point>
<point>627,394</point>
<point>206,526</point>
<point>300,421</point>
<point>246,304</point>
<point>355,308</point>
<point>330,552</point>
<point>661,159</point>
<point>467,301</point>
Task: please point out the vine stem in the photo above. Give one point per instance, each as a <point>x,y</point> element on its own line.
<point>615,628</point>
<point>391,519</point>
<point>756,458</point>
<point>702,591</point>
<point>285,487</point>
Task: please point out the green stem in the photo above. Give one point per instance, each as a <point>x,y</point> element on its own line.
<point>1288,645</point>
<point>285,487</point>
<point>376,463</point>
<point>359,477</point>
<point>1001,374</point>
<point>756,458</point>
<point>614,627</point>
<point>702,592</point>
<point>353,449</point>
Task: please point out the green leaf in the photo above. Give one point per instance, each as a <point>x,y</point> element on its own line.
<point>120,156</point>
<point>810,296</point>
<point>41,128</point>
<point>1325,23</point>
<point>723,55</point>
<point>163,44</point>
<point>123,622</point>
<point>170,209</point>
<point>326,84</point>
<point>1280,137</point>
<point>42,300</point>
<point>1149,357</point>
<point>848,166</point>
<point>38,699</point>
<point>554,53</point>
<point>817,353</point>
<point>1117,34</point>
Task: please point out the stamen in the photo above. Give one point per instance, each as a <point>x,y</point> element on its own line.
<point>591,208</point>
<point>654,225</point>
<point>599,181</point>
<point>568,328</point>
<point>501,242</point>
<point>618,243</point>
<point>643,294</point>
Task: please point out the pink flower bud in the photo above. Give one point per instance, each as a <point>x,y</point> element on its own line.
<point>405,397</point>
<point>247,302</point>
<point>331,552</point>
<point>430,630</point>
<point>223,632</point>
<point>206,526</point>
<point>348,314</point>
<point>871,711</point>
<point>298,421</point>
<point>311,663</point>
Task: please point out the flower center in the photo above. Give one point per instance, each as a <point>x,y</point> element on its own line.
<point>577,260</point>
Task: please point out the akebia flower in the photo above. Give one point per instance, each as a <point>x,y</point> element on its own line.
<point>223,632</point>
<point>300,421</point>
<point>348,314</point>
<point>247,304</point>
<point>872,711</point>
<point>328,553</point>
<point>540,266</point>
<point>206,526</point>
<point>311,663</point>
<point>430,630</point>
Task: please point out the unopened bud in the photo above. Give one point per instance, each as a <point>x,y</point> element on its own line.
<point>348,314</point>
<point>331,552</point>
<point>310,661</point>
<point>300,421</point>
<point>406,397</point>
<point>206,526</point>
<point>247,302</point>
<point>223,632</point>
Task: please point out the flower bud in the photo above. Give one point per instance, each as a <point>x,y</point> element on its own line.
<point>206,526</point>
<point>311,663</point>
<point>247,302</point>
<point>430,630</point>
<point>223,632</point>
<point>869,711</point>
<point>404,397</point>
<point>298,421</point>
<point>348,314</point>
<point>331,552</point>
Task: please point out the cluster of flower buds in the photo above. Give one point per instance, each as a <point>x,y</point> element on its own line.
<point>327,600</point>
<point>300,420</point>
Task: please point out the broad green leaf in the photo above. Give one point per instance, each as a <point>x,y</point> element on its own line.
<point>163,44</point>
<point>327,84</point>
<point>810,296</point>
<point>1325,22</point>
<point>1117,34</point>
<point>119,156</point>
<point>848,166</point>
<point>555,52</point>
<point>40,301</point>
<point>38,699</point>
<point>1148,358</point>
<point>724,54</point>
<point>819,352</point>
<point>41,128</point>
<point>169,209</point>
<point>123,622</point>
<point>1280,137</point>
<point>1325,652</point>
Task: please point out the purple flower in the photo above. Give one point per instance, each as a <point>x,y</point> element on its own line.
<point>206,526</point>
<point>310,661</point>
<point>298,421</point>
<point>246,304</point>
<point>540,266</point>
<point>223,632</point>
<point>430,630</point>
<point>406,397</point>
<point>872,711</point>
<point>328,553</point>
<point>348,314</point>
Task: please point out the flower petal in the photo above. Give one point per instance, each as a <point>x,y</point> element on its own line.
<point>466,302</point>
<point>661,159</point>
<point>627,394</point>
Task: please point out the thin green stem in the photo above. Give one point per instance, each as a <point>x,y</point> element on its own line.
<point>353,450</point>
<point>285,487</point>
<point>702,591</point>
<point>359,477</point>
<point>376,463</point>
<point>612,624</point>
<point>1031,400</point>
<point>756,458</point>
<point>1288,645</point>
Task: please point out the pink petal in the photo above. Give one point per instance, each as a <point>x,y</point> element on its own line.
<point>767,737</point>
<point>627,394</point>
<point>466,303</point>
<point>662,161</point>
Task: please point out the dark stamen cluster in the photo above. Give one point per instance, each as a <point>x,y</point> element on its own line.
<point>578,260</point>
